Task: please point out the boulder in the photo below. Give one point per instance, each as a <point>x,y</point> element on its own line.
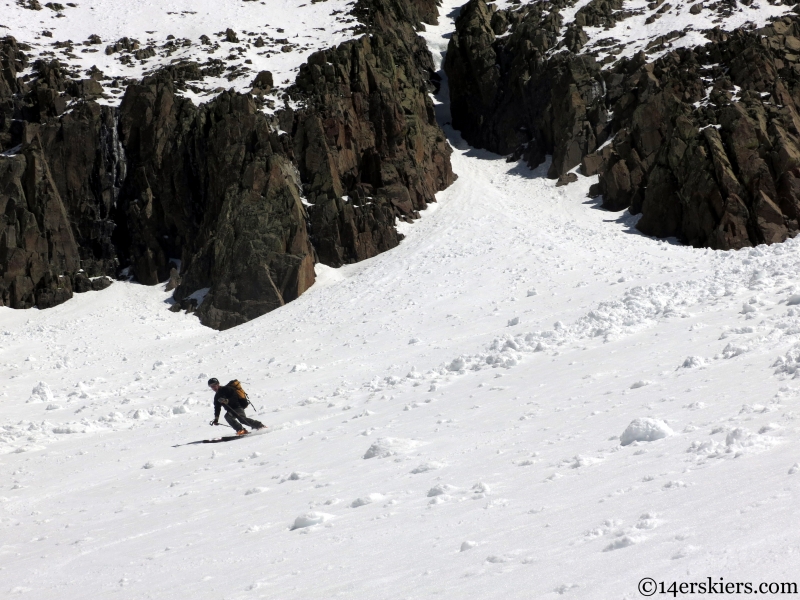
<point>174,280</point>
<point>263,82</point>
<point>566,179</point>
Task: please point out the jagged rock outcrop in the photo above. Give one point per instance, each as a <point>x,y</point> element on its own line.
<point>717,169</point>
<point>54,205</point>
<point>12,61</point>
<point>214,188</point>
<point>36,243</point>
<point>706,140</point>
<point>510,96</point>
<point>61,170</point>
<point>368,146</point>
<point>245,203</point>
<point>218,188</point>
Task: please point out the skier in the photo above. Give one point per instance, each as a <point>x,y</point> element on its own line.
<point>234,405</point>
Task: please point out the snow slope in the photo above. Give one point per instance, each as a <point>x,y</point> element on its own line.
<point>445,419</point>
<point>290,32</point>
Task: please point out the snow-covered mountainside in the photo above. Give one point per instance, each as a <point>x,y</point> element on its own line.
<point>621,28</point>
<point>527,398</point>
<point>233,40</point>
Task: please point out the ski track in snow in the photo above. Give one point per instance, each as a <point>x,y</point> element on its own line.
<point>455,430</point>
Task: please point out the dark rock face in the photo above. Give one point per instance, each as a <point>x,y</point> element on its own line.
<point>716,169</point>
<point>247,203</point>
<point>369,134</point>
<point>12,61</point>
<point>65,170</point>
<point>36,242</point>
<point>213,187</point>
<point>722,175</point>
<point>509,96</point>
<point>219,188</point>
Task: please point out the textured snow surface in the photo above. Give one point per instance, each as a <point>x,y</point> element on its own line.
<point>302,27</point>
<point>495,468</point>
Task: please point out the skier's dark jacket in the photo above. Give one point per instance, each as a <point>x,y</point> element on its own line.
<point>227,395</point>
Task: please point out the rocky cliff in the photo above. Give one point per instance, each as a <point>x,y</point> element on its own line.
<point>511,95</point>
<point>707,147</point>
<point>236,204</point>
<point>696,129</point>
<point>368,146</point>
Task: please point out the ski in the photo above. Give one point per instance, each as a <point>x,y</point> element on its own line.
<point>226,438</point>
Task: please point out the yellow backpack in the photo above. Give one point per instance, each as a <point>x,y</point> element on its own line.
<point>245,400</point>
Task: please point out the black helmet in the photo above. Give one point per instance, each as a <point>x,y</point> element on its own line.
<point>213,381</point>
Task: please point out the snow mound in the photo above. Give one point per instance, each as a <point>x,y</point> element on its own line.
<point>693,362</point>
<point>623,542</point>
<point>645,430</point>
<point>733,350</point>
<point>685,551</point>
<point>788,364</point>
<point>364,500</point>
<point>440,490</point>
<point>152,464</point>
<point>310,519</point>
<point>383,447</point>
<point>583,461</point>
<point>425,467</point>
<point>41,393</point>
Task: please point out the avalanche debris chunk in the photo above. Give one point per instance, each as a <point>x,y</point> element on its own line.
<point>41,393</point>
<point>383,447</point>
<point>310,519</point>
<point>645,430</point>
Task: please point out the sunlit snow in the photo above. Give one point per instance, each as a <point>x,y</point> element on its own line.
<point>429,448</point>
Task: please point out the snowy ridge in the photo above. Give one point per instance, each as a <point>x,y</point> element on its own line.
<point>278,36</point>
<point>654,433</point>
<point>660,26</point>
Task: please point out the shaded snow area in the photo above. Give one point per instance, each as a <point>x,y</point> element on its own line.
<point>525,399</point>
<point>126,40</point>
<point>658,26</point>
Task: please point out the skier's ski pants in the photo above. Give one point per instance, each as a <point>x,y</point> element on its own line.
<point>234,416</point>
